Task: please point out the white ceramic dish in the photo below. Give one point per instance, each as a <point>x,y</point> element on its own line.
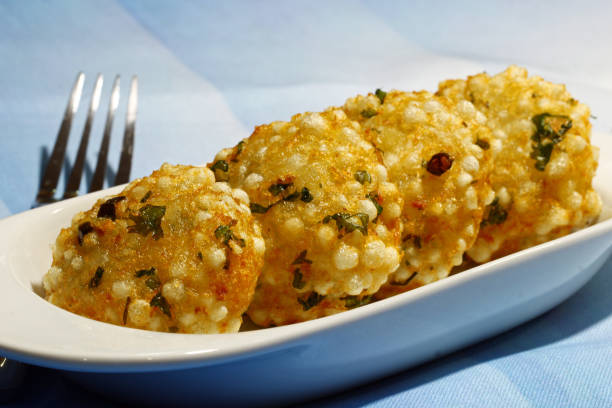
<point>291,363</point>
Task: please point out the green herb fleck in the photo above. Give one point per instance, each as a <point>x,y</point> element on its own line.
<point>84,229</point>
<point>416,240</point>
<point>238,148</point>
<point>146,197</point>
<point>347,222</point>
<point>351,302</point>
<point>411,277</point>
<point>495,214</point>
<point>153,282</point>
<point>95,280</point>
<point>278,188</point>
<point>368,113</point>
<point>107,210</point>
<point>363,176</point>
<point>200,257</point>
<point>292,197</point>
<point>220,165</point>
<point>145,272</point>
<point>125,309</point>
<point>374,197</point>
<point>306,196</point>
<point>258,208</point>
<point>298,281</point>
<point>161,302</point>
<point>148,220</point>
<point>311,301</point>
<point>550,130</point>
<point>483,144</point>
<point>381,95</point>
<point>301,259</point>
<point>225,234</point>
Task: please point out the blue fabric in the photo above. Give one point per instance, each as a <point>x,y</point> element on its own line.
<point>210,71</point>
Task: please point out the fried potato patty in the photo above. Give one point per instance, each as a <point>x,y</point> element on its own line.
<point>434,154</point>
<point>174,251</point>
<point>543,160</point>
<point>329,216</point>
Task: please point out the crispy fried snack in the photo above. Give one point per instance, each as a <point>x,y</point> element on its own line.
<point>174,251</point>
<point>434,154</point>
<point>329,217</point>
<point>543,160</point>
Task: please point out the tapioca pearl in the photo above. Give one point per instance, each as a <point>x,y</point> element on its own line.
<point>354,286</point>
<point>504,196</point>
<point>432,106</point>
<point>464,179</point>
<point>480,118</point>
<point>471,198</point>
<point>203,216</point>
<point>315,122</point>
<point>559,165</point>
<point>215,257</point>
<point>139,312</point>
<point>382,231</point>
<point>466,109</point>
<point>470,164</point>
<point>164,183</point>
<point>499,134</point>
<point>353,187</point>
<point>496,146</point>
<point>391,159</point>
<point>391,259</point>
<point>223,154</point>
<point>77,262</point>
<point>368,207</point>
<point>217,313</point>
<point>253,181</point>
<point>259,246</point>
<point>412,114</point>
<point>187,319</point>
<point>293,227</point>
<point>178,269</point>
<point>339,114</point>
<point>52,278</point>
<point>240,196</point>
<point>374,254</point>
<point>489,196</point>
<point>221,187</point>
<point>235,246</point>
<point>174,290</point>
<point>346,257</point>
<point>121,289</point>
<point>380,172</point>
<point>323,288</point>
<point>201,175</point>
<point>325,236</point>
<point>233,325</point>
<point>391,211</point>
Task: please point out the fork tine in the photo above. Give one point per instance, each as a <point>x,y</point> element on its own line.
<point>125,162</point>
<point>97,180</point>
<point>72,187</point>
<point>54,166</point>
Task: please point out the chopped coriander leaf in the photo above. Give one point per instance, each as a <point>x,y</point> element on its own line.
<point>368,113</point>
<point>148,220</point>
<point>153,282</point>
<point>298,281</point>
<point>84,229</point>
<point>238,150</point>
<point>278,188</point>
<point>550,130</point>
<point>495,214</point>
<point>258,208</point>
<point>225,234</point>
<point>351,302</point>
<point>145,272</point>
<point>107,210</point>
<point>483,144</point>
<point>411,277</point>
<point>161,302</point>
<point>200,257</point>
<point>95,280</point>
<point>381,95</point>
<point>439,163</point>
<point>374,197</point>
<point>146,197</point>
<point>301,259</point>
<point>306,196</point>
<point>220,165</point>
<point>311,301</point>
<point>125,309</point>
<point>348,222</point>
<point>363,176</point>
<point>416,240</point>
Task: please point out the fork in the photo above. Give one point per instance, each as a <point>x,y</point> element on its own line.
<point>12,372</point>
<point>52,172</point>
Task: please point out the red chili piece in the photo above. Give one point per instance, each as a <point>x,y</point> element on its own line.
<point>439,164</point>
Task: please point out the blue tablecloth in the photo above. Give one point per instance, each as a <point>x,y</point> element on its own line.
<point>210,71</point>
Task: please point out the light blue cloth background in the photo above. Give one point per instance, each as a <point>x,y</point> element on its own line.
<point>210,71</point>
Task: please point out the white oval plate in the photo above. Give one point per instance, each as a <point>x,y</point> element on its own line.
<point>290,363</point>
